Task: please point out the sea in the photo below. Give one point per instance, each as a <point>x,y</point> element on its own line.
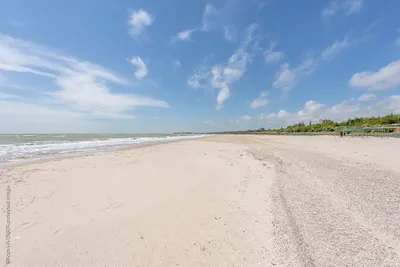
<point>21,148</point>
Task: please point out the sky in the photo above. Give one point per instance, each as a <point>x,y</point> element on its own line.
<point>88,66</point>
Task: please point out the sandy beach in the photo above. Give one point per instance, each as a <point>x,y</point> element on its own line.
<point>217,201</point>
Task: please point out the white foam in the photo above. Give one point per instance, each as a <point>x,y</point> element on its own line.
<point>36,150</point>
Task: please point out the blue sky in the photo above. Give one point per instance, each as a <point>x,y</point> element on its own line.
<point>177,65</point>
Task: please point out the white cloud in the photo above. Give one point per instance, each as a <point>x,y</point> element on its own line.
<point>81,87</point>
<point>385,78</point>
<point>85,93</point>
<point>347,6</point>
<point>199,78</point>
<point>230,33</point>
<point>289,77</point>
<point>24,57</point>
<point>344,110</point>
<point>222,76</point>
<point>272,56</point>
<point>310,112</point>
<point>336,48</point>
<point>210,123</point>
<point>138,21</point>
<point>260,101</point>
<point>211,18</point>
<point>223,95</point>
<point>307,67</point>
<point>183,35</point>
<point>310,108</point>
<point>286,78</point>
<point>366,97</point>
<point>313,111</point>
<point>141,68</point>
<point>391,104</point>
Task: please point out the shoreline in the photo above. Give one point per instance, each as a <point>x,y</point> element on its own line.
<point>58,157</point>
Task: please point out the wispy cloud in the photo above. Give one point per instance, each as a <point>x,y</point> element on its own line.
<point>346,6</point>
<point>272,56</point>
<point>199,78</point>
<point>308,66</point>
<point>366,97</point>
<point>176,65</point>
<point>335,49</point>
<point>211,18</point>
<point>141,68</point>
<point>260,4</point>
<point>138,21</point>
<point>7,96</point>
<point>230,33</point>
<point>260,101</point>
<point>222,76</point>
<point>183,35</point>
<point>287,78</point>
<point>387,77</point>
<point>81,87</point>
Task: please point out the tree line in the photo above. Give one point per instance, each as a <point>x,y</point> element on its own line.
<point>330,126</point>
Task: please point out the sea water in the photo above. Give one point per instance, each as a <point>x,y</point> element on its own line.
<point>16,148</point>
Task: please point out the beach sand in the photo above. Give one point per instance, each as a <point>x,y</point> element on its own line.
<point>217,201</point>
